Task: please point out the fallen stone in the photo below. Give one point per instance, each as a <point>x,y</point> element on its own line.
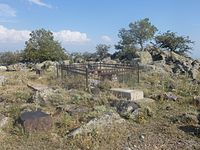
<point>36,121</point>
<point>74,109</point>
<point>145,101</point>
<point>170,96</point>
<point>37,87</point>
<point>105,121</point>
<point>128,94</point>
<point>125,108</point>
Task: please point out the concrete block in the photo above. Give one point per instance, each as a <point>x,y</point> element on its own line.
<point>128,94</point>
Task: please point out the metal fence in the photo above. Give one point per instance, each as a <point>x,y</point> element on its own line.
<point>99,71</point>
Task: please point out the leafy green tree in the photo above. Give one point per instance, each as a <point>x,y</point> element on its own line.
<point>102,51</point>
<point>172,42</point>
<point>8,58</point>
<point>76,57</point>
<point>41,47</point>
<point>138,33</point>
<point>89,56</point>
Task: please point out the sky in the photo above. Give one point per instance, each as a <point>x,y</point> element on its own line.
<point>82,24</point>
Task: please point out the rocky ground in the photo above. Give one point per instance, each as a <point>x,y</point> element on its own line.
<point>77,119</point>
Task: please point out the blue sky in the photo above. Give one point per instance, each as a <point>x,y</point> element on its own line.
<point>81,24</point>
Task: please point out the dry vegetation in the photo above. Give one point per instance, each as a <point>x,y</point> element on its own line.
<point>163,126</point>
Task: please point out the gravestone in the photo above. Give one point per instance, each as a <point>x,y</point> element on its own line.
<point>35,121</point>
<point>128,94</point>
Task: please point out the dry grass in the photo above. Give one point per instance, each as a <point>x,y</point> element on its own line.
<point>159,131</point>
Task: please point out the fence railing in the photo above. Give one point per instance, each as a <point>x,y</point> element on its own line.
<point>100,70</point>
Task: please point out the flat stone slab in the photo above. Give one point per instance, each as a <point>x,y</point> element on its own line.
<point>128,94</point>
<point>145,102</point>
<point>37,87</point>
<point>34,121</point>
<point>105,121</point>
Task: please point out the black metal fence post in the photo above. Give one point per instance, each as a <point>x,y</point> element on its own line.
<point>86,73</point>
<point>57,70</point>
<point>62,71</point>
<point>138,73</point>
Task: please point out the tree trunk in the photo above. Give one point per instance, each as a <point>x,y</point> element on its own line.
<point>141,45</point>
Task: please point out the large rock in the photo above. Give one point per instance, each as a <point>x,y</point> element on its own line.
<point>3,68</point>
<point>194,74</point>
<point>36,121</point>
<point>16,67</point>
<point>74,110</point>
<point>144,57</point>
<point>105,121</point>
<point>125,108</point>
<point>41,93</point>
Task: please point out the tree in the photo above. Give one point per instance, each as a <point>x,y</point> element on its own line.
<point>102,51</point>
<point>8,58</point>
<point>138,33</point>
<point>76,57</point>
<point>172,42</point>
<point>41,47</point>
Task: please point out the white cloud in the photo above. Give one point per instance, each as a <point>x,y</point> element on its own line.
<point>66,36</point>
<point>19,36</point>
<point>12,35</point>
<point>106,39</point>
<point>6,10</point>
<point>40,3</point>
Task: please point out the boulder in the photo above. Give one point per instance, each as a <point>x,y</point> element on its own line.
<point>36,121</point>
<point>3,68</point>
<point>74,110</point>
<point>125,108</point>
<point>144,57</point>
<point>41,93</point>
<point>105,121</point>
<point>196,64</point>
<point>16,67</point>
<point>194,74</point>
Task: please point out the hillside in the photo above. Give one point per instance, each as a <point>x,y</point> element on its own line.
<point>167,118</point>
